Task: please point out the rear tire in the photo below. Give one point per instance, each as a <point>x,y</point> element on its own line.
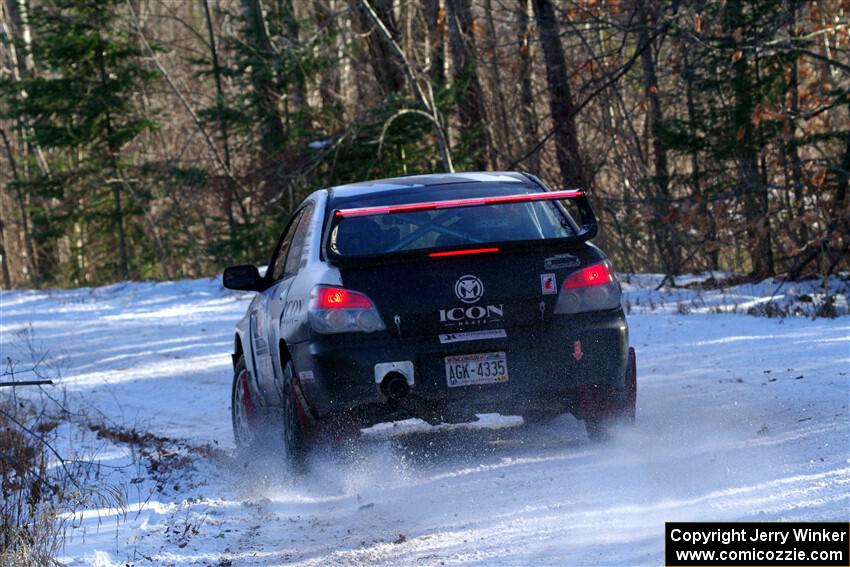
<point>294,444</point>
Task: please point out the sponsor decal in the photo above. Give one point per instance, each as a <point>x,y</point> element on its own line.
<point>548,284</point>
<point>291,310</point>
<point>306,376</point>
<point>469,288</point>
<point>561,261</point>
<point>577,353</point>
<point>475,314</point>
<point>473,336</point>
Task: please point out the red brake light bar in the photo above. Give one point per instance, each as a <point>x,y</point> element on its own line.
<point>457,203</point>
<point>463,252</point>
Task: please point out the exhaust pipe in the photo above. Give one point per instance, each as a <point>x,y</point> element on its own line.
<point>394,385</point>
<point>394,379</point>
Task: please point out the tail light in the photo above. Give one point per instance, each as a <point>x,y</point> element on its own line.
<point>590,289</point>
<point>338,310</point>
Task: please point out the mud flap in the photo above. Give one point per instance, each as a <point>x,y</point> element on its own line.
<point>337,428</point>
<point>595,402</point>
<point>302,409</point>
<point>631,386</point>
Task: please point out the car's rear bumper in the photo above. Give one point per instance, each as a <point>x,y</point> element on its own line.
<point>548,367</point>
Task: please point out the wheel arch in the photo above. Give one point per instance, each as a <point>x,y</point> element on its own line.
<point>295,392</point>
<point>284,354</point>
<point>237,348</point>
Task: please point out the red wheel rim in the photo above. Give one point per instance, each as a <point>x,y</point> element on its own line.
<point>247,403</point>
<point>245,418</point>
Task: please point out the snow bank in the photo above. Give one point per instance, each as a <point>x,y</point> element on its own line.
<point>706,293</point>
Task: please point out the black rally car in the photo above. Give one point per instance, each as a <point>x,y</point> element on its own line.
<point>434,296</point>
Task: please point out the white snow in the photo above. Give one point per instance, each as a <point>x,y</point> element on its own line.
<point>739,418</point>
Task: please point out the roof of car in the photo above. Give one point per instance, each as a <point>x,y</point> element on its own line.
<point>430,180</point>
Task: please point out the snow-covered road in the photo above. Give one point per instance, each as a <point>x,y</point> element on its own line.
<point>739,418</point>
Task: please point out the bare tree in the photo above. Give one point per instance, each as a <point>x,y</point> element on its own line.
<point>229,192</point>
<point>663,223</point>
<point>377,22</point>
<point>257,38</point>
<point>424,95</point>
<point>749,186</point>
<point>561,106</point>
<point>528,116</point>
<point>471,112</point>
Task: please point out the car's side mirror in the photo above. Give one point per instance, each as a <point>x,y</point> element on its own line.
<point>243,278</point>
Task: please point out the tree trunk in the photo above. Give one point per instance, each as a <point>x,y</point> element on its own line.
<point>663,224</point>
<point>4,259</point>
<point>30,265</point>
<point>749,185</point>
<point>435,17</point>
<point>792,149</point>
<point>117,211</point>
<point>20,33</point>
<point>426,101</point>
<point>388,70</point>
<point>298,96</point>
<point>24,66</point>
<point>263,80</point>
<point>527,115</point>
<point>838,222</point>
<point>506,143</point>
<point>839,204</point>
<point>561,105</point>
<point>710,233</point>
<point>330,85</point>
<point>229,192</point>
<point>119,225</point>
<point>471,113</point>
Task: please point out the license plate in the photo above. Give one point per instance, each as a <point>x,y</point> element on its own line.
<point>483,368</point>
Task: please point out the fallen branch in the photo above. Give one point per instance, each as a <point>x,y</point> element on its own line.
<point>26,383</point>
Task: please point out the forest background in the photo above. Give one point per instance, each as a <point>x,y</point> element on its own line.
<point>165,139</point>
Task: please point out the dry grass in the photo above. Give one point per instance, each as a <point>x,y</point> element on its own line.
<point>31,528</point>
<point>41,490</point>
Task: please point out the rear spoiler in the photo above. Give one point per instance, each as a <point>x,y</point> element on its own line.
<point>587,227</point>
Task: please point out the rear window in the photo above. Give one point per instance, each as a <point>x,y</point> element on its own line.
<point>425,230</point>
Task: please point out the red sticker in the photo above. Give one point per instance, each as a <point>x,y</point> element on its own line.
<point>548,284</point>
<point>577,354</point>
